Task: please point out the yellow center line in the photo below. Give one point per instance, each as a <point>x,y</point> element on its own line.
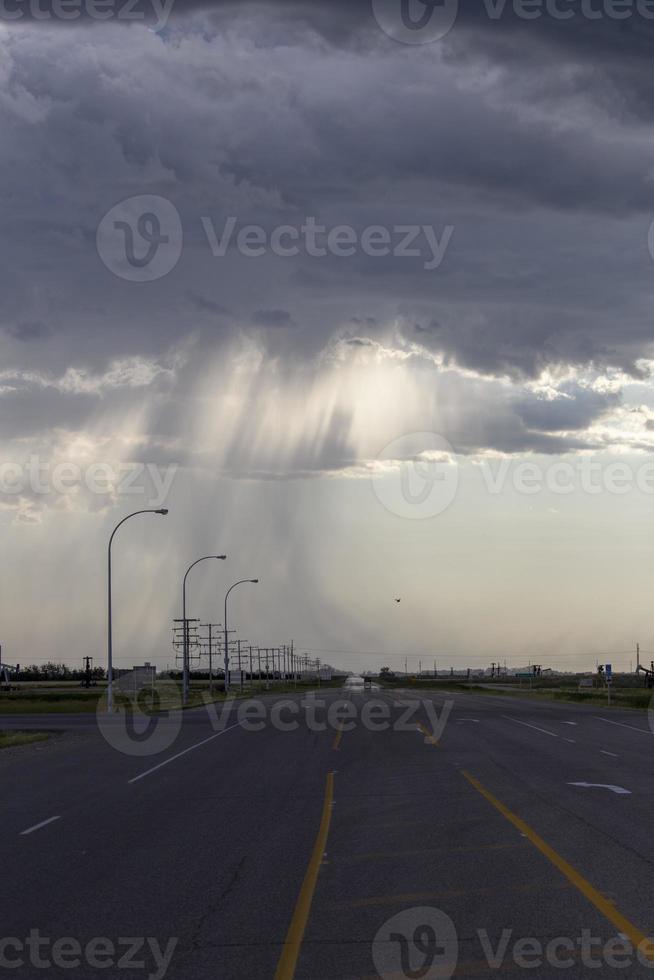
<point>291,951</point>
<point>428,736</point>
<point>602,904</point>
<point>337,739</point>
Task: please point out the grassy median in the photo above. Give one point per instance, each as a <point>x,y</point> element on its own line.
<point>10,739</point>
<point>47,702</point>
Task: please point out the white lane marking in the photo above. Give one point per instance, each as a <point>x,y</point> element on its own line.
<point>620,790</point>
<point>37,826</point>
<point>527,725</point>
<point>614,754</point>
<point>476,720</point>
<point>621,724</point>
<point>569,722</point>
<point>180,754</point>
<point>572,740</point>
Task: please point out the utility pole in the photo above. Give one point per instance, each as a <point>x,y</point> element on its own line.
<point>210,627</point>
<point>188,641</point>
<point>210,662</point>
<point>230,647</point>
<point>87,671</point>
<point>208,643</point>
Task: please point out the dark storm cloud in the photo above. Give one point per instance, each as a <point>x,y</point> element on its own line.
<point>29,331</point>
<point>206,305</point>
<point>271,112</point>
<point>596,31</point>
<point>273,318</point>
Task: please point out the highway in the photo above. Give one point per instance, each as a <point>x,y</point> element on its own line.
<point>284,853</point>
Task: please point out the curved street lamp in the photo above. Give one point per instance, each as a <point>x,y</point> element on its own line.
<point>110,666</point>
<point>185,681</point>
<point>251,581</point>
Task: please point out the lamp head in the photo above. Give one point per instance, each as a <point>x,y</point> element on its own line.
<point>220,557</point>
<point>254,581</point>
<point>163,511</point>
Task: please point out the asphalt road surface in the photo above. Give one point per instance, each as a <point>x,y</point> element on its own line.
<point>423,835</point>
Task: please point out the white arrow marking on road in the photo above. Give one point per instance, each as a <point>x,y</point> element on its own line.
<point>620,790</point>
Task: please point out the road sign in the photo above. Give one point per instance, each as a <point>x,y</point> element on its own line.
<point>608,670</point>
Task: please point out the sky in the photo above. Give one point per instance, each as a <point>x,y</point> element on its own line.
<point>361,292</point>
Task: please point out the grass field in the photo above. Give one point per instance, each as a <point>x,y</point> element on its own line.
<point>11,739</point>
<point>64,698</point>
<point>40,699</point>
<point>638,698</point>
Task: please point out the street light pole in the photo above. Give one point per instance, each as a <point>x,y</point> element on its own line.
<point>252,581</point>
<point>185,667</point>
<point>110,664</point>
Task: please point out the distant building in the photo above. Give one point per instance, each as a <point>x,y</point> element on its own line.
<point>137,679</point>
